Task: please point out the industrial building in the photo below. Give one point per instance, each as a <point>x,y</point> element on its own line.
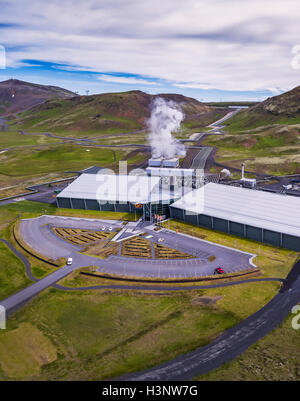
<point>118,193</point>
<point>257,215</point>
<point>171,191</point>
<point>162,162</point>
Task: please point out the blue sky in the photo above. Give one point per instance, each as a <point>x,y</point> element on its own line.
<point>208,49</point>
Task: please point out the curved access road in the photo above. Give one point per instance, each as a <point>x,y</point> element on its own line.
<point>16,301</point>
<point>232,342</point>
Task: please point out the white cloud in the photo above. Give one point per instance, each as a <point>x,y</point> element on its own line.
<point>229,45</point>
<point>193,85</point>
<point>125,80</point>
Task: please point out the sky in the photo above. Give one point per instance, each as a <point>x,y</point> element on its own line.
<point>212,50</point>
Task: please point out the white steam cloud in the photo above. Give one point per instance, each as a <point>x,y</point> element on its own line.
<point>166,117</point>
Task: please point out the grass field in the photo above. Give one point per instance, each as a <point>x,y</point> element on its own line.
<point>56,158</point>
<point>92,214</point>
<point>27,209</point>
<point>9,139</point>
<point>24,350</point>
<point>270,150</point>
<point>246,119</point>
<point>140,138</point>
<point>35,165</point>
<point>99,335</point>
<point>12,273</point>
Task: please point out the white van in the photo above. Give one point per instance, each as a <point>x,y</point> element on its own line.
<point>69,261</point>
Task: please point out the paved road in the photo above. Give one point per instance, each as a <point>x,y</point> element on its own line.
<point>199,160</point>
<point>44,197</point>
<point>218,124</point>
<point>232,342</point>
<point>12,303</point>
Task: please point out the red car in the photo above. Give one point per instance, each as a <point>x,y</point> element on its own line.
<point>219,270</point>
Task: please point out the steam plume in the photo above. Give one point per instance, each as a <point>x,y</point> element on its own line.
<point>166,117</point>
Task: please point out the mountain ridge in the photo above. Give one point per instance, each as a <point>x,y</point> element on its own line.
<point>280,109</point>
<point>106,112</point>
<point>17,96</point>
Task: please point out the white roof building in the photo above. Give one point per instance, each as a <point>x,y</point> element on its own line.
<point>167,172</point>
<point>117,188</point>
<point>275,212</point>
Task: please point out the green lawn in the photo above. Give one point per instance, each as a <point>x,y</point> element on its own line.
<point>12,273</point>
<point>104,334</point>
<point>139,138</point>
<point>245,119</point>
<point>10,139</point>
<point>92,214</point>
<point>35,165</point>
<point>57,158</point>
<point>28,209</point>
<point>270,150</point>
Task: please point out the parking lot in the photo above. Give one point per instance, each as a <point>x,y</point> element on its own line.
<point>38,235</point>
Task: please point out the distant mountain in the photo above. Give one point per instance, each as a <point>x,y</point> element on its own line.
<point>108,112</point>
<point>16,96</point>
<point>281,109</point>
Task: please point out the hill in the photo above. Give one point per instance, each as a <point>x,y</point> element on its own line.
<point>107,113</point>
<point>16,96</point>
<point>281,109</point>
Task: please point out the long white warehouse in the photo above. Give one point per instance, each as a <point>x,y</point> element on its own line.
<point>118,193</point>
<point>257,215</point>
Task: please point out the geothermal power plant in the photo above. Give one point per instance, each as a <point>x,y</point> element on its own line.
<point>166,190</point>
